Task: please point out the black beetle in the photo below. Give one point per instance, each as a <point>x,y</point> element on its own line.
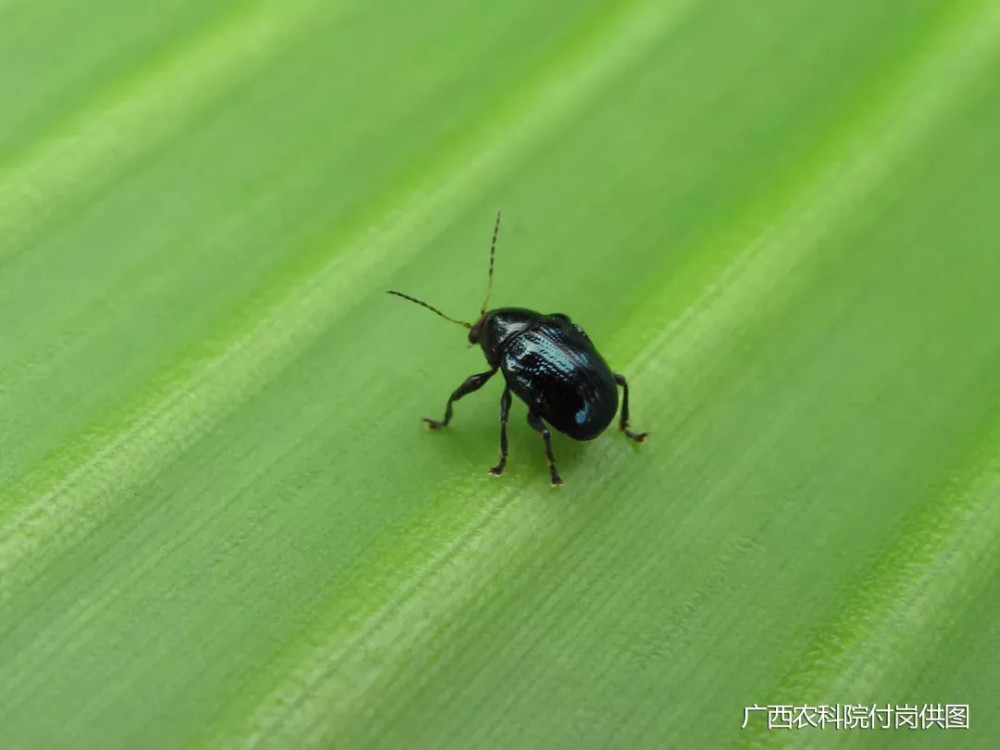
<point>550,363</point>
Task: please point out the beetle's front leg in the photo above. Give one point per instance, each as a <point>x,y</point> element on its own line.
<point>623,422</point>
<point>536,423</point>
<point>472,383</point>
<point>504,411</point>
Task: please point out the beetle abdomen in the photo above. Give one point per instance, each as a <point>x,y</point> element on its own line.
<point>557,371</point>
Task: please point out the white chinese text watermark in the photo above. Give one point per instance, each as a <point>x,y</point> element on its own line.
<point>857,716</point>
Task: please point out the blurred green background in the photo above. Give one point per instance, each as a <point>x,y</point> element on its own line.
<point>222,524</point>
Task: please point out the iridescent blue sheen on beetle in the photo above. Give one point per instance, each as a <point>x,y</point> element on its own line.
<point>550,363</point>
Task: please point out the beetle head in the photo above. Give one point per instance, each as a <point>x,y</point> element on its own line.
<point>474,332</point>
<point>483,332</point>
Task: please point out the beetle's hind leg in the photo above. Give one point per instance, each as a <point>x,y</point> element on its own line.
<point>536,423</point>
<point>472,383</point>
<point>638,437</point>
<point>504,411</point>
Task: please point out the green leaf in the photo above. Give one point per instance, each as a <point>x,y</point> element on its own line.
<point>221,522</point>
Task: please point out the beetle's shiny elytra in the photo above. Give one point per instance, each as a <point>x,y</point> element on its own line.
<point>547,361</point>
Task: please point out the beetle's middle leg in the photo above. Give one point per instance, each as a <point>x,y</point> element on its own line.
<point>472,383</point>
<point>536,423</point>
<point>638,437</point>
<point>504,411</point>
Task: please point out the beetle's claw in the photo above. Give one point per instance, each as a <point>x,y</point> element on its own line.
<point>432,424</point>
<point>557,481</point>
<point>495,471</point>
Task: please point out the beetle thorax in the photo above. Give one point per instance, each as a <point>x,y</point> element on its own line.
<point>496,327</point>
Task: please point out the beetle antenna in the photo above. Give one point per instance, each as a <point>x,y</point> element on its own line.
<point>432,309</point>
<point>489,281</point>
